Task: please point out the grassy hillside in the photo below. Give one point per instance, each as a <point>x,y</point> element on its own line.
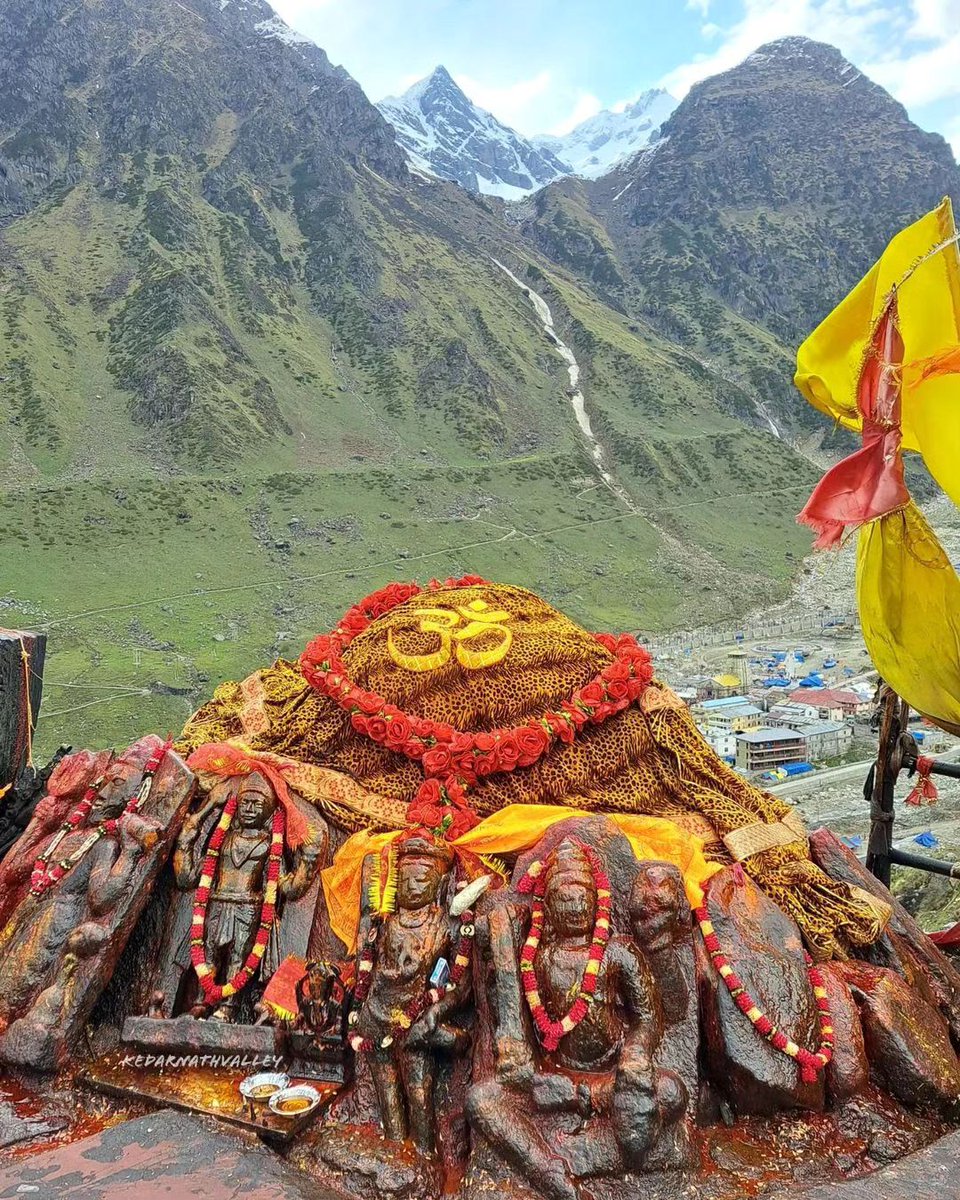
<point>250,369</point>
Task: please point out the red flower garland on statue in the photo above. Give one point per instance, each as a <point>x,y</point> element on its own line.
<point>213,992</point>
<point>811,1062</point>
<point>44,876</point>
<point>453,759</point>
<point>534,880</point>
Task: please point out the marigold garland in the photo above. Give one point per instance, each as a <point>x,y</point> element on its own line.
<point>811,1063</point>
<point>549,1030</point>
<point>213,992</point>
<point>43,876</point>
<point>452,759</point>
<point>402,1023</point>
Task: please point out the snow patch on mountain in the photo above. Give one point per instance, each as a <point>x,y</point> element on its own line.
<point>603,141</point>
<point>275,28</point>
<point>445,134</point>
<point>258,17</point>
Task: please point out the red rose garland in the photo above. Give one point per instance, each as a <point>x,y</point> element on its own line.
<point>213,992</point>
<point>811,1063</point>
<point>534,880</point>
<point>452,759</point>
<point>43,876</point>
<point>404,1020</point>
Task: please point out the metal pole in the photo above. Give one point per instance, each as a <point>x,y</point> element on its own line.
<point>952,770</point>
<point>897,751</point>
<point>936,866</point>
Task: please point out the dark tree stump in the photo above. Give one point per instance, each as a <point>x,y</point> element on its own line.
<point>19,703</point>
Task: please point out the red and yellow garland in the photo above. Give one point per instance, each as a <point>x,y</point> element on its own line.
<point>549,1030</point>
<point>213,992</point>
<point>44,876</point>
<point>924,790</point>
<point>403,1021</point>
<point>454,759</point>
<point>811,1062</point>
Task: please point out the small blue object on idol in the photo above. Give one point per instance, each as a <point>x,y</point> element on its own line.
<point>441,973</point>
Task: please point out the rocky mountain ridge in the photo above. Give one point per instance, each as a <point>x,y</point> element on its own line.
<point>445,134</point>
<point>745,224</point>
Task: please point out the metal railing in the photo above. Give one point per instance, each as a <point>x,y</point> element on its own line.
<point>897,751</point>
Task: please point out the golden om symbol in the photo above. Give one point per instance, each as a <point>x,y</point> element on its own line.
<point>477,619</point>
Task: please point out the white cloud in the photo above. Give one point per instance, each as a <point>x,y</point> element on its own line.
<point>952,133</point>
<point>293,10</point>
<point>407,81</point>
<point>935,19</point>
<point>880,37</point>
<point>586,106</point>
<point>700,6</point>
<point>922,76</point>
<point>848,24</point>
<point>509,103</point>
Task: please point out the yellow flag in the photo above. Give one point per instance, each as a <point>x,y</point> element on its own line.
<point>886,363</point>
<point>927,283</point>
<point>909,599</point>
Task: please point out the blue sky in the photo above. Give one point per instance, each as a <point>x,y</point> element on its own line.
<point>542,65</point>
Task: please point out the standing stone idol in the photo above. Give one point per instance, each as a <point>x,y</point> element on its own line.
<point>90,881</point>
<point>237,889</point>
<point>407,947</point>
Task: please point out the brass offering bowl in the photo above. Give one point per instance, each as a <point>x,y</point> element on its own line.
<point>295,1101</point>
<point>262,1087</point>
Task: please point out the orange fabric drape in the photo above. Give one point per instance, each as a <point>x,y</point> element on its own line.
<point>512,830</point>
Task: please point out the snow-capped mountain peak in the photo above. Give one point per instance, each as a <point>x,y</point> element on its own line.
<point>603,141</point>
<point>445,134</point>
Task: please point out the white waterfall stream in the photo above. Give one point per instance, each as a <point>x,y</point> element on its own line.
<point>542,309</point>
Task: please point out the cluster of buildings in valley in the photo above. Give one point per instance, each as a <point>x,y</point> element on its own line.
<point>774,713</point>
<point>809,726</point>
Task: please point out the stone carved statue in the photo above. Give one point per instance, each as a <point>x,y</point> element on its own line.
<point>321,995</point>
<point>66,919</point>
<point>407,946</point>
<point>603,1068</point>
<point>238,886</point>
<point>662,927</point>
<point>89,880</point>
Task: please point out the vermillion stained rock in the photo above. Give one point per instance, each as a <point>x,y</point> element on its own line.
<point>764,947</point>
<point>907,1041</point>
<point>849,1072</point>
<point>904,946</point>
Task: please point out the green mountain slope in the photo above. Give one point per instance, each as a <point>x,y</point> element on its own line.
<point>776,185</point>
<point>250,368</point>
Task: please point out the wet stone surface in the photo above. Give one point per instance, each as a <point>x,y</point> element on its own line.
<point>15,1128</point>
<point>907,1041</point>
<point>166,1154</point>
<point>930,1174</point>
<point>764,947</point>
